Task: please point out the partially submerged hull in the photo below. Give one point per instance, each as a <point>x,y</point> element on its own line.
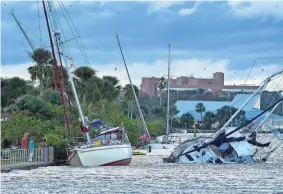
<point>232,152</point>
<point>157,149</point>
<point>109,155</point>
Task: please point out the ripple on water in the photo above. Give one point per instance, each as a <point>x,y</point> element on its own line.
<point>147,174</point>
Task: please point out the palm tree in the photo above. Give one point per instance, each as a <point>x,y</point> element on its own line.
<point>42,67</point>
<point>200,108</point>
<point>129,96</point>
<point>161,86</point>
<point>87,87</point>
<point>111,88</point>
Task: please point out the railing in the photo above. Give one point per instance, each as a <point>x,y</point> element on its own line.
<point>26,157</point>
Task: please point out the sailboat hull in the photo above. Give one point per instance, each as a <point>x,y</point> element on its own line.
<point>110,155</point>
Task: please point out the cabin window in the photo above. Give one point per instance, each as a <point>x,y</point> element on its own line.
<point>189,157</point>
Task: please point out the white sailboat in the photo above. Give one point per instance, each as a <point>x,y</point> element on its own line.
<point>111,146</point>
<point>253,141</point>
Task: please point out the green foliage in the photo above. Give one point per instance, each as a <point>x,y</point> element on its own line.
<point>52,96</point>
<point>200,108</point>
<point>156,128</point>
<point>33,106</point>
<point>11,89</point>
<point>208,119</point>
<point>43,70</point>
<point>92,89</point>
<point>162,83</point>
<point>223,115</point>
<point>129,95</point>
<point>186,120</point>
<point>19,124</point>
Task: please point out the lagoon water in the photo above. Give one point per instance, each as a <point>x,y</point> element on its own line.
<point>147,174</point>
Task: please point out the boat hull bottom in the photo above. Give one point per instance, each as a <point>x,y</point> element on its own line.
<point>124,162</point>
<point>119,155</point>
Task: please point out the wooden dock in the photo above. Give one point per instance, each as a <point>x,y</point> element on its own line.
<point>24,160</point>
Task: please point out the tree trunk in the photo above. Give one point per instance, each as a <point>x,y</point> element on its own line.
<point>41,84</point>
<point>131,109</point>
<point>128,109</point>
<point>195,132</point>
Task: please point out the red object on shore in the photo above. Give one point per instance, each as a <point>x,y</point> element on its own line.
<point>24,144</point>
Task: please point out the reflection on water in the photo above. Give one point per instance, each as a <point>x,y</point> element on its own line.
<point>147,174</point>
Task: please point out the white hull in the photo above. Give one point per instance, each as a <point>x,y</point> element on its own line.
<point>165,152</point>
<point>102,155</point>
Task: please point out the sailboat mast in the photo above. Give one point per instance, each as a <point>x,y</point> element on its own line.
<point>56,69</point>
<point>168,93</point>
<point>133,89</point>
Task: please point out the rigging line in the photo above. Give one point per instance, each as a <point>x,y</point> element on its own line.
<point>79,46</point>
<point>64,83</point>
<point>56,69</point>
<point>51,6</point>
<point>38,15</point>
<point>85,58</point>
<point>52,28</point>
<point>23,31</point>
<point>63,41</point>
<point>67,48</point>
<point>246,81</point>
<point>76,31</point>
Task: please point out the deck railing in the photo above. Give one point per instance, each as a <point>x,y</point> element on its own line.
<point>24,157</point>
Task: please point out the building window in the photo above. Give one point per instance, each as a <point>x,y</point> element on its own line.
<point>209,82</point>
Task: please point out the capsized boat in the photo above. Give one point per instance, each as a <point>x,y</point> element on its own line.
<point>251,141</point>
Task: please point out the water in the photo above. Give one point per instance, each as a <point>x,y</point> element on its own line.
<point>147,174</point>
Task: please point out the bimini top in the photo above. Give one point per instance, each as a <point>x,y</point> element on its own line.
<point>109,130</point>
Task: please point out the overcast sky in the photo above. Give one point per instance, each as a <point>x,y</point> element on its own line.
<point>205,37</point>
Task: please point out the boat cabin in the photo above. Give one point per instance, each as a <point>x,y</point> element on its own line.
<point>112,136</point>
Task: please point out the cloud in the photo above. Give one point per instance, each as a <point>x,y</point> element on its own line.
<point>198,67</point>
<point>161,5</point>
<point>189,11</point>
<point>252,9</point>
<point>16,71</point>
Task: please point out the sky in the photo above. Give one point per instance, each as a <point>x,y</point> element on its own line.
<point>205,37</point>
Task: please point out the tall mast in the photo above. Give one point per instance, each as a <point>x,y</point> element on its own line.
<point>262,85</point>
<point>57,40</point>
<point>56,69</point>
<point>133,89</point>
<point>168,93</point>
<point>23,31</point>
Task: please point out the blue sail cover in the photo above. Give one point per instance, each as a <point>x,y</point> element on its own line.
<point>96,123</point>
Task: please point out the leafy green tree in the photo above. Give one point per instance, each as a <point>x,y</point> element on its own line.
<point>42,68</point>
<point>110,88</point>
<point>157,111</point>
<point>186,120</point>
<point>200,108</point>
<point>208,119</point>
<point>223,115</point>
<point>32,106</point>
<point>52,96</point>
<point>162,83</point>
<point>11,89</point>
<point>87,85</point>
<point>129,96</point>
